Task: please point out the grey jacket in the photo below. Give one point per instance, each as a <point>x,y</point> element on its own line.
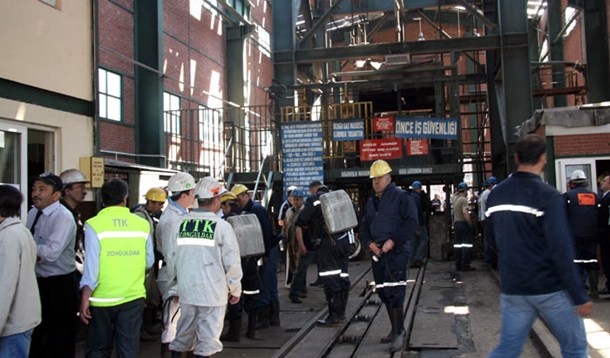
<point>19,301</point>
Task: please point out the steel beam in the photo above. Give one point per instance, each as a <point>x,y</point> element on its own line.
<point>482,43</point>
<point>596,42</point>
<point>321,22</point>
<point>284,71</point>
<point>516,76</point>
<point>148,46</point>
<point>370,6</point>
<point>474,12</point>
<point>555,21</point>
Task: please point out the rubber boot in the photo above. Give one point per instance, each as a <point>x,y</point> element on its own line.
<point>274,313</point>
<point>397,328</point>
<point>390,336</point>
<point>232,334</point>
<point>593,283</point>
<point>263,318</point>
<point>344,297</point>
<point>251,331</point>
<point>334,311</point>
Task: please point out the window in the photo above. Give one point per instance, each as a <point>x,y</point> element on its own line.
<point>110,93</point>
<point>264,41</point>
<point>171,113</point>
<point>210,127</point>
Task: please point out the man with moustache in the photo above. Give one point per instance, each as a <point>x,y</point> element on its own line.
<point>54,231</point>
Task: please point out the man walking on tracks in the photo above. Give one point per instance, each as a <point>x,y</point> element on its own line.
<point>530,227</point>
<point>388,227</point>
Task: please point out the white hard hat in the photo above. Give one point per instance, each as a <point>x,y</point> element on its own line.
<point>578,175</point>
<point>72,176</point>
<point>207,188</point>
<point>180,182</point>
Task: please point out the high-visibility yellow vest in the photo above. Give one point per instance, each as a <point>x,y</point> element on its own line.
<point>122,237</point>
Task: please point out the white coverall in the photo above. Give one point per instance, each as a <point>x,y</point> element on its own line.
<point>208,267</point>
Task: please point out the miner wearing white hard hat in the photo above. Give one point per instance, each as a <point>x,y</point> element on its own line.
<point>207,269</point>
<point>387,229</point>
<point>182,197</point>
<point>73,193</point>
<point>583,210</point>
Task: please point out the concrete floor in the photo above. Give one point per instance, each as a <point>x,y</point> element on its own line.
<point>478,330</point>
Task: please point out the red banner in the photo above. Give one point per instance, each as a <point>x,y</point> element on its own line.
<point>416,146</point>
<point>374,149</point>
<point>383,124</point>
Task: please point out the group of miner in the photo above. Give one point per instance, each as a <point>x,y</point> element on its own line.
<point>183,261</point>
<point>191,266</point>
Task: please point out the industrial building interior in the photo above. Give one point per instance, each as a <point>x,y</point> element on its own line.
<point>488,63</point>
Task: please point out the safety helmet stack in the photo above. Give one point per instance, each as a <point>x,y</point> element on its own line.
<point>207,188</point>
<point>181,182</point>
<point>72,176</point>
<point>238,189</point>
<point>380,168</point>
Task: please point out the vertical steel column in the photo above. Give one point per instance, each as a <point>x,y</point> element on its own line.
<point>148,46</point>
<point>284,46</point>
<point>492,63</point>
<point>236,68</point>
<point>516,76</point>
<point>555,14</point>
<point>596,40</point>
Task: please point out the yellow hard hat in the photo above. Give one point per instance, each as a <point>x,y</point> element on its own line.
<point>380,168</point>
<point>226,196</point>
<point>156,194</point>
<point>239,189</point>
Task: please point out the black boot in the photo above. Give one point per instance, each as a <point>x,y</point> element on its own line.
<point>334,311</point>
<point>593,283</point>
<point>176,354</point>
<point>274,313</point>
<point>390,336</point>
<point>263,318</point>
<point>232,334</point>
<point>344,297</point>
<point>251,331</point>
<point>397,328</point>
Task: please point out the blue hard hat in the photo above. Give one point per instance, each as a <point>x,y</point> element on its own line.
<point>492,180</point>
<point>296,193</point>
<point>462,186</point>
<point>416,185</point>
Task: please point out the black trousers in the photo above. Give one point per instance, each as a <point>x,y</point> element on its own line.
<point>120,323</point>
<point>333,258</point>
<point>55,336</point>
<point>250,286</point>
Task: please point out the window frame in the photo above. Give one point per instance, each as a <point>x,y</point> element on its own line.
<point>168,121</point>
<point>106,95</point>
